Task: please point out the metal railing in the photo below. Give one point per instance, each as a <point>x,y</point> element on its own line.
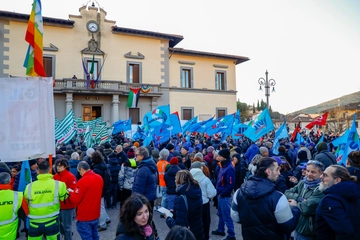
<point>81,84</point>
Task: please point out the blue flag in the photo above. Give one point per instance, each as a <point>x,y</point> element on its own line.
<point>299,139</point>
<point>186,126</point>
<point>158,117</point>
<point>279,134</point>
<point>351,143</point>
<point>237,119</point>
<point>238,130</point>
<point>122,126</point>
<point>260,126</point>
<point>200,126</point>
<point>175,123</point>
<point>223,124</point>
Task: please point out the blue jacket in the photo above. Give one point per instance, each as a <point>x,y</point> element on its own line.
<point>264,212</point>
<point>145,181</point>
<point>188,210</point>
<point>73,168</point>
<point>338,213</point>
<point>114,168</point>
<point>170,179</point>
<point>226,179</point>
<point>251,152</point>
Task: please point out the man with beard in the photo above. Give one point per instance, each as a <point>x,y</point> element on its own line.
<point>338,213</point>
<point>264,212</point>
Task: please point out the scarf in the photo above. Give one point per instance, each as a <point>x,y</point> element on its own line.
<point>311,184</point>
<point>147,230</point>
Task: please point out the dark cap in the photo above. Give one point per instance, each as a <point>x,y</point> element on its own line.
<point>225,153</point>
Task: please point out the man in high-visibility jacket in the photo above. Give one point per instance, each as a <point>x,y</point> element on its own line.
<point>43,197</point>
<point>10,203</point>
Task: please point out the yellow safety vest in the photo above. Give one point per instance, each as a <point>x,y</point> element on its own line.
<point>43,198</point>
<point>10,203</point>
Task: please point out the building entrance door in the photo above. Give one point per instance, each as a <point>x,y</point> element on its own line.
<point>90,112</point>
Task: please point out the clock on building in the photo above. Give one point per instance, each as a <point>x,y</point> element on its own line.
<point>92,26</point>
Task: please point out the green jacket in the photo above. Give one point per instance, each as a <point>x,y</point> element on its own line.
<point>312,197</point>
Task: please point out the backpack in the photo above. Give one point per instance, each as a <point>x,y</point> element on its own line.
<point>107,178</point>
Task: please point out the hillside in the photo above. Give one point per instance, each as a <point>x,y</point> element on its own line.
<point>341,101</point>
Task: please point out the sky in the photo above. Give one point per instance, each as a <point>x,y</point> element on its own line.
<point>310,48</point>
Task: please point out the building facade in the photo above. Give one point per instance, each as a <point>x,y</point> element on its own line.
<point>194,83</point>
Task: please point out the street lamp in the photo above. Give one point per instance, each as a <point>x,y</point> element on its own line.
<point>267,83</point>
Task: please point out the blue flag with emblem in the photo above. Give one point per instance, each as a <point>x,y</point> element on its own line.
<point>282,132</point>
<point>260,126</point>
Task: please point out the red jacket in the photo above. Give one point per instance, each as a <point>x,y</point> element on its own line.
<point>87,196</point>
<point>70,181</point>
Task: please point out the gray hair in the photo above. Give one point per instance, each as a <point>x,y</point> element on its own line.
<point>164,154</point>
<point>199,154</point>
<point>4,178</point>
<point>143,151</point>
<point>74,155</point>
<point>83,165</point>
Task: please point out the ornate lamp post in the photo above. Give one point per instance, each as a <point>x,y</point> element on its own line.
<point>267,83</point>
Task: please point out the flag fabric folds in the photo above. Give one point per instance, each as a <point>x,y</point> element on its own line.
<point>260,126</point>
<point>186,125</point>
<point>157,117</point>
<point>122,125</point>
<point>88,137</point>
<point>25,176</point>
<point>279,134</point>
<point>34,36</point>
<point>86,73</point>
<point>238,130</point>
<point>320,121</point>
<point>66,130</point>
<point>200,126</point>
<point>175,123</point>
<point>296,130</point>
<point>351,143</point>
<point>133,99</point>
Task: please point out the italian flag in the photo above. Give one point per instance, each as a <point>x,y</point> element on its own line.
<point>133,99</point>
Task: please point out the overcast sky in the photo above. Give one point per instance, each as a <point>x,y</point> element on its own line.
<point>310,47</point>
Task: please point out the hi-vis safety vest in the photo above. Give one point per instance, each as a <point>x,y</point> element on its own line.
<point>10,203</point>
<point>43,198</point>
<point>161,170</point>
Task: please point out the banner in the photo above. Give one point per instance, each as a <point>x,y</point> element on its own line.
<point>27,127</point>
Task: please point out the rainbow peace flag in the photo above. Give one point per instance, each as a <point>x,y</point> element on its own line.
<point>34,36</point>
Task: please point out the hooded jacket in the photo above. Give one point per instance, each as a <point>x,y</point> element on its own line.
<point>188,210</point>
<point>208,190</point>
<point>114,168</point>
<point>145,180</point>
<point>338,213</point>
<point>226,179</point>
<point>264,212</point>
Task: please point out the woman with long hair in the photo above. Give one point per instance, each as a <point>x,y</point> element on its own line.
<point>135,219</point>
<point>188,204</point>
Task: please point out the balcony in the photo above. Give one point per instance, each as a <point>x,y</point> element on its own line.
<point>102,87</point>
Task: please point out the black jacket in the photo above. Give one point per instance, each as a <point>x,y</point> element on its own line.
<point>100,169</point>
<point>338,213</point>
<point>121,234</point>
<point>188,210</point>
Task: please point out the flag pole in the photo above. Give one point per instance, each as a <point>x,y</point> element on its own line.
<point>50,162</point>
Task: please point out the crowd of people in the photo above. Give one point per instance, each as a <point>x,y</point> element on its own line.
<point>298,193</point>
